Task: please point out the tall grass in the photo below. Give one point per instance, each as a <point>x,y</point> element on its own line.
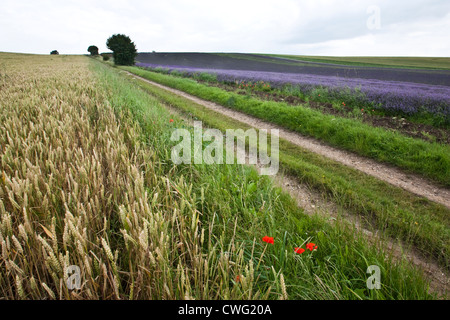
<point>86,180</point>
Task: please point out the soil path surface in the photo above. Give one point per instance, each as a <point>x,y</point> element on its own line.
<point>394,176</point>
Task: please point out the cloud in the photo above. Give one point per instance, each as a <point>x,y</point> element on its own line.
<point>423,37</point>
<point>326,27</point>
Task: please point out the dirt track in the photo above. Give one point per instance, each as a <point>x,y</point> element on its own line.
<point>394,176</point>
<point>313,203</point>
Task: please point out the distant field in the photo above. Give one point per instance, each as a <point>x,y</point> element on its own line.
<point>249,62</point>
<point>397,62</point>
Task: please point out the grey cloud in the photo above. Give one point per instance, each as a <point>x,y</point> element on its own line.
<point>232,26</point>
<point>348,24</point>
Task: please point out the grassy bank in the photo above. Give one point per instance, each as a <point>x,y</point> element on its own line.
<point>431,160</point>
<point>92,185</point>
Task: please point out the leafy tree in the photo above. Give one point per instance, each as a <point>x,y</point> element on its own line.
<point>54,52</point>
<point>93,50</point>
<point>106,56</point>
<point>124,50</point>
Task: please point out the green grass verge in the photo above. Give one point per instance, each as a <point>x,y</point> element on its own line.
<point>431,160</point>
<point>395,212</point>
<point>240,206</point>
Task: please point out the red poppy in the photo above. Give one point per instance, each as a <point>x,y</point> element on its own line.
<point>311,246</point>
<point>299,250</point>
<point>238,279</point>
<point>268,239</point>
<point>171,120</point>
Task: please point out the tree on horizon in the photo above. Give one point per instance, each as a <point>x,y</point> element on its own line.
<point>124,50</point>
<point>93,50</point>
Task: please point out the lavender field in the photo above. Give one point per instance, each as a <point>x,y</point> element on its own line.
<point>397,90</point>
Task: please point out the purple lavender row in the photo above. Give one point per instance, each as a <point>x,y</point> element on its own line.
<point>406,97</point>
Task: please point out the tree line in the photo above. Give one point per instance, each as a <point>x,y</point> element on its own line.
<point>124,50</point>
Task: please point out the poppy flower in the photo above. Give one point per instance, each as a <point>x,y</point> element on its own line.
<point>299,250</point>
<point>311,246</point>
<point>171,120</point>
<point>268,239</point>
<point>238,279</point>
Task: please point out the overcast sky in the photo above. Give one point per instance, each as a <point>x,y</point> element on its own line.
<point>307,27</point>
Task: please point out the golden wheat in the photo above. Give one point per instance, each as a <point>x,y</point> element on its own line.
<point>74,191</point>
